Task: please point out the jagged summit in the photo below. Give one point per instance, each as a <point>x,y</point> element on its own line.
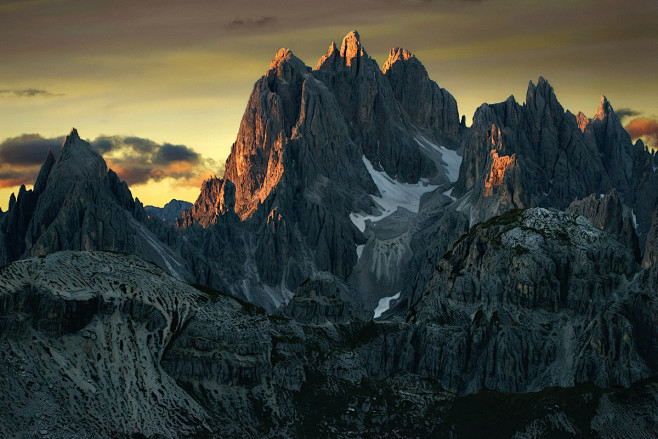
<point>605,108</point>
<point>541,96</point>
<point>282,57</point>
<point>351,47</point>
<point>397,54</point>
<point>349,57</point>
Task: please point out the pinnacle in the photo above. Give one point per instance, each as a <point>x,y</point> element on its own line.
<point>604,108</point>
<point>397,54</point>
<point>351,46</point>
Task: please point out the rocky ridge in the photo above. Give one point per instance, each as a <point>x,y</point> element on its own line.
<point>79,204</point>
<point>306,129</point>
<point>170,212</point>
<point>538,154</point>
<point>573,307</point>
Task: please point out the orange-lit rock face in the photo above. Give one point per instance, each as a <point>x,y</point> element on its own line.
<point>396,54</point>
<point>583,121</point>
<point>351,48</point>
<point>604,109</point>
<point>498,168</point>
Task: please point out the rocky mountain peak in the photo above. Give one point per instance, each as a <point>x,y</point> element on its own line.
<point>351,48</point>
<point>350,54</point>
<point>541,95</point>
<point>283,56</point>
<point>397,54</point>
<point>429,106</point>
<point>73,135</point>
<point>12,201</point>
<point>78,160</point>
<point>582,120</point>
<point>604,109</point>
<point>40,183</point>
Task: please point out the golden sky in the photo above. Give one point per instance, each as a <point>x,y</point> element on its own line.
<point>178,74</point>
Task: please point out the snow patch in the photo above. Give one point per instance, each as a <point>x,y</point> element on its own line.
<point>359,250</point>
<point>450,160</point>
<point>634,219</point>
<point>159,249</point>
<point>448,194</point>
<point>393,196</point>
<point>384,304</point>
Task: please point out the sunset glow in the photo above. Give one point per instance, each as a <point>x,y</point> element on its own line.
<point>180,73</point>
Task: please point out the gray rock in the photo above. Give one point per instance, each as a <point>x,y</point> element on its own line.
<point>169,360</point>
<point>428,106</point>
<point>539,155</point>
<point>78,204</point>
<point>608,214</point>
<point>170,212</point>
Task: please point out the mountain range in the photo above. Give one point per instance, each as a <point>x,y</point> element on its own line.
<point>367,265</point>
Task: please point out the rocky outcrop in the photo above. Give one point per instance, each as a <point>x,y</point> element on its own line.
<point>607,213</point>
<point>170,212</point>
<point>323,298</point>
<point>533,299</point>
<point>554,161</point>
<point>83,335</point>
<point>217,199</point>
<point>428,106</point>
<point>78,204</point>
<point>105,344</point>
<point>299,166</point>
<point>536,154</point>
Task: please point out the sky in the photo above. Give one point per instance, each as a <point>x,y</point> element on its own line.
<point>159,86</point>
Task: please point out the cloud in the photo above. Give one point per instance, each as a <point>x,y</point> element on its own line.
<point>644,127</point>
<point>627,112</point>
<point>27,149</point>
<point>21,158</point>
<point>28,93</point>
<point>252,22</point>
<point>136,160</point>
<point>139,160</point>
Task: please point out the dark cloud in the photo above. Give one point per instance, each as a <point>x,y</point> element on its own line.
<point>28,93</point>
<point>136,160</point>
<point>627,112</point>
<point>21,158</point>
<point>175,153</point>
<point>644,127</point>
<point>252,22</point>
<point>15,177</point>
<point>27,149</point>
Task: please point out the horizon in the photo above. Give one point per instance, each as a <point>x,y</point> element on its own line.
<point>183,90</point>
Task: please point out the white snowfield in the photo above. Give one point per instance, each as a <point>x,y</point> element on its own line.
<point>384,304</point>
<point>449,159</point>
<point>394,195</point>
